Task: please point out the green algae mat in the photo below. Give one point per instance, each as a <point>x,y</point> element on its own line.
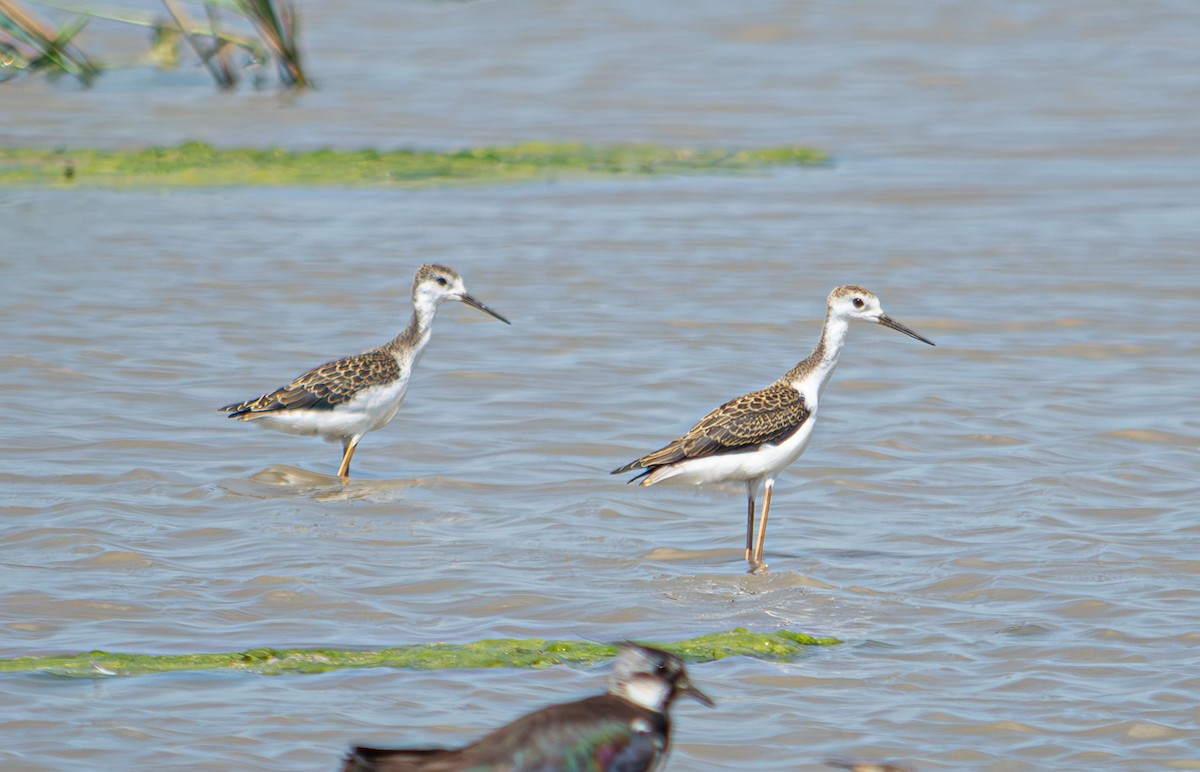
<point>780,645</point>
<point>194,164</point>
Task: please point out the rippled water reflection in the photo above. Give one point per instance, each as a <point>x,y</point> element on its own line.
<point>1002,529</point>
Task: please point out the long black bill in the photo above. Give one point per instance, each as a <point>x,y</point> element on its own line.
<point>888,321</point>
<point>473,303</point>
<point>685,687</point>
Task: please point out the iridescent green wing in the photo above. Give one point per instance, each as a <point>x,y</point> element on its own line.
<point>598,734</point>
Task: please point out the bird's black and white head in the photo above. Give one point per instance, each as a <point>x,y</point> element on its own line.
<point>435,284</point>
<point>851,302</point>
<point>651,678</point>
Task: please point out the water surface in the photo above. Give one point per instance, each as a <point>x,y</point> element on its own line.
<point>1002,528</point>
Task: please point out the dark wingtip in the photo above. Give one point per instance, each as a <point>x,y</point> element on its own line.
<point>362,759</point>
<point>631,467</point>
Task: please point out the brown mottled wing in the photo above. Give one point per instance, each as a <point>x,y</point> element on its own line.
<point>324,387</point>
<point>769,415</point>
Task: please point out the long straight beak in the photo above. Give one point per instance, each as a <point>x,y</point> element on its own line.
<point>685,686</point>
<point>473,303</point>
<point>888,321</point>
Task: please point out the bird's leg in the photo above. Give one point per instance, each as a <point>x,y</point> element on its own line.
<point>347,453</point>
<point>756,563</point>
<point>751,486</point>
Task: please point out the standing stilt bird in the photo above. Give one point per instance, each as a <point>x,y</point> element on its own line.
<point>626,730</point>
<point>344,399</point>
<point>754,437</point>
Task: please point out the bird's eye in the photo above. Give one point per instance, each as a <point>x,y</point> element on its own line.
<point>441,280</point>
<point>858,302</point>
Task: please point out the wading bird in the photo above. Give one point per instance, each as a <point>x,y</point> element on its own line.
<point>752,438</point>
<point>344,399</point>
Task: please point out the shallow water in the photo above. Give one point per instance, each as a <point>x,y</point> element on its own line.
<point>1002,528</point>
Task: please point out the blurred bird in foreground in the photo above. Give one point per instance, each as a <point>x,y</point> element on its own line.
<point>628,729</point>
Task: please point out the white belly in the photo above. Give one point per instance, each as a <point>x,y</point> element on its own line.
<point>765,462</point>
<point>370,409</point>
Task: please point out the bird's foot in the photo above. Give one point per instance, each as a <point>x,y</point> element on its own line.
<point>756,567</point>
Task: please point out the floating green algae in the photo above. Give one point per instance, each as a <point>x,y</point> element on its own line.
<point>195,164</point>
<point>780,645</point>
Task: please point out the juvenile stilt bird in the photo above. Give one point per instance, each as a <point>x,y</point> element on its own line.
<point>752,438</point>
<point>628,729</point>
<point>344,399</point>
